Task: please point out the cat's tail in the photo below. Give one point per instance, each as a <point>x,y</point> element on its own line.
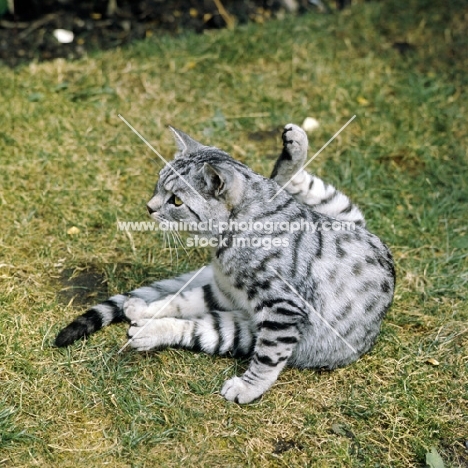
<point>307,188</point>
<point>111,310</point>
<point>99,316</point>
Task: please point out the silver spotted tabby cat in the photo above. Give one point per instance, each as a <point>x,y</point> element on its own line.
<point>315,298</point>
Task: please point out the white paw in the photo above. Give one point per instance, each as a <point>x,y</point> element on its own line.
<point>239,391</point>
<point>143,334</point>
<point>134,308</point>
<point>295,142</point>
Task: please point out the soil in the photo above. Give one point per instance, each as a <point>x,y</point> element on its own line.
<point>82,287</point>
<point>102,24</point>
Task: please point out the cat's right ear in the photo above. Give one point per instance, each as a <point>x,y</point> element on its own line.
<point>186,144</point>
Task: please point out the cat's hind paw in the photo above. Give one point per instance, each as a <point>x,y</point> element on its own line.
<point>239,391</point>
<point>295,142</point>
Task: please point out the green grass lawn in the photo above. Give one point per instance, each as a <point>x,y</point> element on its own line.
<point>67,161</point>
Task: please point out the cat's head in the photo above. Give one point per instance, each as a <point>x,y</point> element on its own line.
<point>202,183</point>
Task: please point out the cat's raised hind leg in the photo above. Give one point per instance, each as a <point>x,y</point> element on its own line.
<point>289,172</point>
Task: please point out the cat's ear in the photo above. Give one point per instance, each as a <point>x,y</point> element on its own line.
<point>185,143</point>
<point>215,180</point>
<point>221,181</point>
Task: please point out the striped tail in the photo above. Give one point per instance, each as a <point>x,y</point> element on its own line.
<point>111,310</point>
<point>99,316</point>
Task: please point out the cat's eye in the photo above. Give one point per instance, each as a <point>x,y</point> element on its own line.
<point>175,200</point>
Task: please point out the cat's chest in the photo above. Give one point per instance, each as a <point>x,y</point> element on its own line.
<point>225,283</point>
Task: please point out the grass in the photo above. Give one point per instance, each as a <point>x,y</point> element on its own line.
<point>68,161</point>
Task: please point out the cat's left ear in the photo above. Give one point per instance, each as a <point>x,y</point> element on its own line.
<point>216,181</point>
<point>221,181</point>
<point>186,144</point>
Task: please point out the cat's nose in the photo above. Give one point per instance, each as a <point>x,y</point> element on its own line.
<point>150,210</point>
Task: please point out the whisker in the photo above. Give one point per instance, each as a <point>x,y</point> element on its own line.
<point>174,233</point>
<point>170,249</point>
<point>175,248</point>
<point>178,236</point>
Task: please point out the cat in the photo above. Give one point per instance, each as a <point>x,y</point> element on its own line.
<point>315,299</point>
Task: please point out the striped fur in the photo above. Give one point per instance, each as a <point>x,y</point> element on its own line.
<point>307,188</point>
<point>316,300</point>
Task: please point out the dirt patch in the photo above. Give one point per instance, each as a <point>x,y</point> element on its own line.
<point>283,445</point>
<point>99,25</point>
<point>82,287</point>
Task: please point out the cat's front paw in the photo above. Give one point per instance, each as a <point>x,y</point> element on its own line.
<point>143,334</point>
<point>135,308</point>
<point>295,142</point>
<point>239,391</point>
